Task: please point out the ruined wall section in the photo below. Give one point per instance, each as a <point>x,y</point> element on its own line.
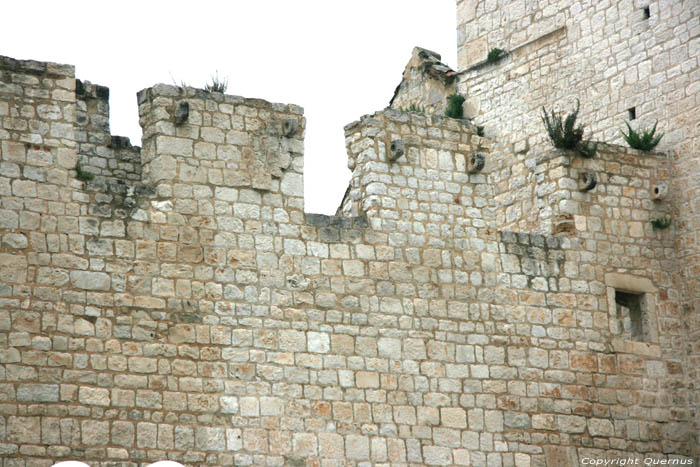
<point>111,157</point>
<point>613,56</point>
<point>425,84</point>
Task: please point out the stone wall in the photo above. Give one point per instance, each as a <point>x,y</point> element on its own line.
<point>614,56</point>
<point>211,321</point>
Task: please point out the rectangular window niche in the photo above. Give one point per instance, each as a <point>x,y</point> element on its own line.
<point>632,313</point>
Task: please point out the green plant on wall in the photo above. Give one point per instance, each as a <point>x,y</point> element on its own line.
<point>587,149</point>
<point>454,106</point>
<point>495,55</point>
<point>479,130</point>
<point>661,223</point>
<point>217,85</point>
<point>416,108</point>
<point>82,174</point>
<point>644,139</point>
<point>565,134</point>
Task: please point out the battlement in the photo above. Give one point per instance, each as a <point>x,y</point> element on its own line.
<point>618,192</point>
<point>409,165</point>
<point>194,136</point>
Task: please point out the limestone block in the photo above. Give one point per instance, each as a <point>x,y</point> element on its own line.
<point>146,435</point>
<point>367,379</point>
<point>493,420</point>
<point>292,184</point>
<point>94,396</point>
<point>472,53</point>
<point>389,347</point>
<point>13,151</point>
<point>9,219</point>
<point>437,455</point>
<point>249,406</point>
<point>600,427</point>
<point>453,417</point>
<point>95,432</point>
<point>24,188</point>
<point>571,423</point>
<point>318,342</point>
<point>304,444</point>
<point>414,349</point>
<point>37,393</point>
<point>184,437</point>
<point>89,280</point>
<point>331,446</point>
<point>210,438</point>
<point>271,406</point>
<point>174,146</point>
<point>13,268</point>
<point>234,441</point>
<point>560,455</point>
<point>357,447</point>
<point>23,430</point>
<point>163,167</point>
<point>466,11</point>
<point>516,420</point>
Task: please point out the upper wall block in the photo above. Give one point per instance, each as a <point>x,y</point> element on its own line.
<point>409,168</point>
<point>204,138</point>
<point>37,110</point>
<point>425,84</point>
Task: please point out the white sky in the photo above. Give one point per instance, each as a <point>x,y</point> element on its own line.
<point>337,59</point>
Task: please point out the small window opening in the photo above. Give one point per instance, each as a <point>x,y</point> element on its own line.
<point>646,12</point>
<point>632,112</point>
<point>633,321</point>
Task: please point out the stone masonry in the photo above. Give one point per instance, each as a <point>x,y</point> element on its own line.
<point>622,60</point>
<point>477,303</point>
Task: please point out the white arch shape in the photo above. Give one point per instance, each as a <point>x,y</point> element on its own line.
<point>165,464</point>
<point>70,464</point>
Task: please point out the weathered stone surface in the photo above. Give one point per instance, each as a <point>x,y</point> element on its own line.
<point>94,396</point>
<point>357,447</point>
<point>14,241</point>
<point>37,393</point>
<point>88,280</point>
<point>23,430</point>
<point>13,268</point>
<point>94,432</point>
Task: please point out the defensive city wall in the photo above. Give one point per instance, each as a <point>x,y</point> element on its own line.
<point>176,302</point>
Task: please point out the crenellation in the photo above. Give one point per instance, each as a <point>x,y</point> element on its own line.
<point>476,301</point>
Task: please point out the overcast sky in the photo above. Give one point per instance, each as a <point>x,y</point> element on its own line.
<point>337,59</point>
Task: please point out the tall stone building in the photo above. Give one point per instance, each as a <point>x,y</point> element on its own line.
<point>478,300</point>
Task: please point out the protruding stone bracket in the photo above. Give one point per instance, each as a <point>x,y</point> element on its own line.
<point>659,191</point>
<point>396,150</point>
<point>290,127</point>
<point>476,163</point>
<point>182,113</point>
<point>588,181</point>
